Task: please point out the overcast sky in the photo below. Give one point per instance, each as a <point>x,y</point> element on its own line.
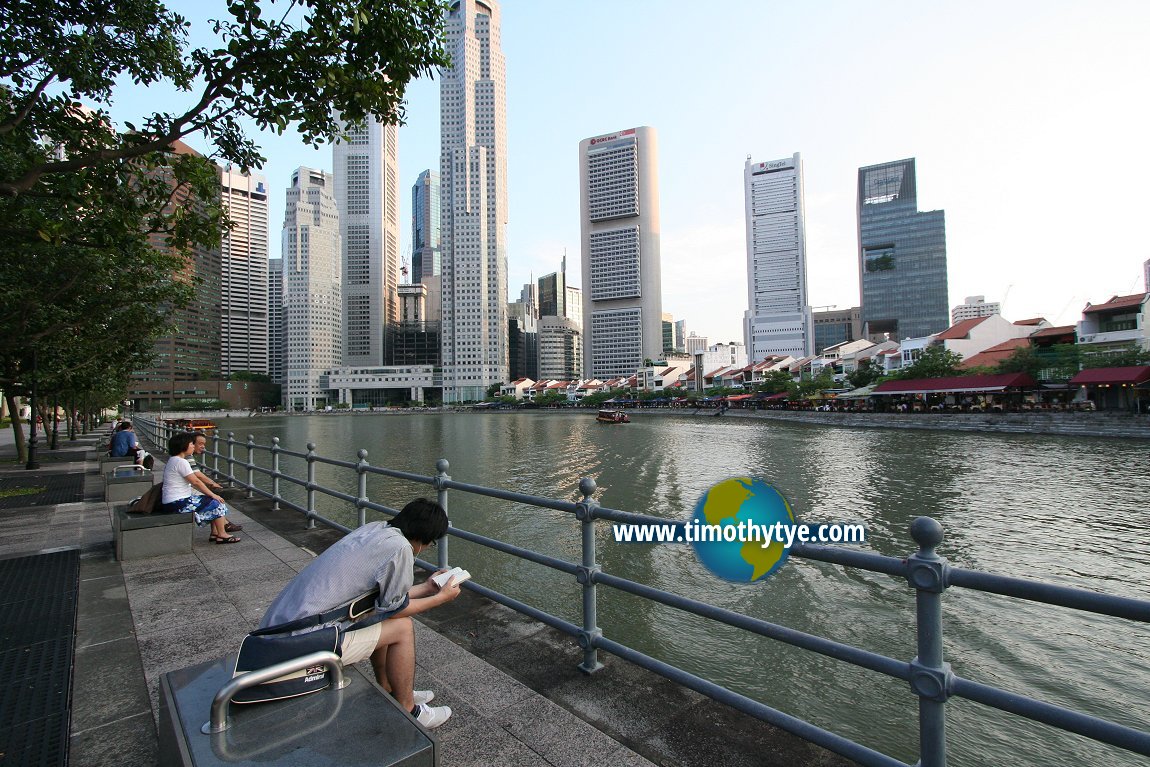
<point>1028,120</point>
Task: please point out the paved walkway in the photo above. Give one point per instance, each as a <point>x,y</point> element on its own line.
<point>523,703</point>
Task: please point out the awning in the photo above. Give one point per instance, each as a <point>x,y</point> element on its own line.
<point>780,395</point>
<point>860,393</point>
<point>738,397</point>
<point>1129,376</point>
<point>977,384</point>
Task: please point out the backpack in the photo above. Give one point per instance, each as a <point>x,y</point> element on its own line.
<point>148,502</point>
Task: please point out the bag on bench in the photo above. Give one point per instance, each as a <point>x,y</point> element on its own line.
<point>149,502</point>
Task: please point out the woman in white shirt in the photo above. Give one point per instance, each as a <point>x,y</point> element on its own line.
<point>185,493</point>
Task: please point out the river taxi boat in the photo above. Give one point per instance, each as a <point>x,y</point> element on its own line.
<point>200,425</point>
<point>613,416</point>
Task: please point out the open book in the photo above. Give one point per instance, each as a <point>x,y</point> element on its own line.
<point>458,573</point>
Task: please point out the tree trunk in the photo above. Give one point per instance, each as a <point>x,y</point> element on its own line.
<point>17,428</point>
<point>55,422</point>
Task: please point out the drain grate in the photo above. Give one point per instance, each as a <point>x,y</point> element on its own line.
<point>37,634</point>
<point>58,488</point>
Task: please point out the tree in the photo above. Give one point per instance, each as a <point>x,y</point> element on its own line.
<point>80,199</point>
<point>775,381</point>
<point>935,362</point>
<point>864,375</point>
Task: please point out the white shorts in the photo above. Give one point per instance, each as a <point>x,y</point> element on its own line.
<point>359,644</point>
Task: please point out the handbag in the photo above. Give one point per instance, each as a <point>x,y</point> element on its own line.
<point>149,502</point>
<point>267,647</point>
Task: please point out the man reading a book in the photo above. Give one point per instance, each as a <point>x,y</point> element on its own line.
<point>377,555</point>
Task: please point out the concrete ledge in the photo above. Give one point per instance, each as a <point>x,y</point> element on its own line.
<point>138,536</point>
<point>120,489</point>
<point>107,462</point>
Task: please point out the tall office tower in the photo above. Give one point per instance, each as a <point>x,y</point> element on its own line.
<point>312,273</point>
<point>473,173</point>
<point>366,167</point>
<point>553,293</point>
<point>244,274</point>
<point>192,351</point>
<point>902,256</point>
<point>680,336</point>
<point>426,237</point>
<point>276,327</point>
<point>836,326</point>
<point>414,340</point>
<point>778,318</point>
<point>619,219</point>
<point>574,307</point>
<point>522,340</point>
<point>668,333</point>
<point>560,349</point>
<point>974,306</point>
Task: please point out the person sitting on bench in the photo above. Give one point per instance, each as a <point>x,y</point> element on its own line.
<point>377,555</point>
<point>124,444</point>
<point>185,493</point>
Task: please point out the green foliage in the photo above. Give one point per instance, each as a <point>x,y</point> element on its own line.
<point>493,391</point>
<point>864,375</point>
<point>775,381</point>
<point>596,399</point>
<point>246,375</point>
<point>551,397</point>
<point>1117,358</point>
<point>199,404</point>
<point>935,362</point>
<point>808,385</point>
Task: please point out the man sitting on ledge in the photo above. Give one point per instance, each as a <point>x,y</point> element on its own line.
<point>378,554</point>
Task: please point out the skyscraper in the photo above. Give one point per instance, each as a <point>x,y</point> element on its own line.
<point>426,237</point>
<point>313,307</point>
<point>778,318</point>
<point>619,219</point>
<point>244,274</point>
<point>473,173</point>
<point>277,339</point>
<point>366,170</point>
<point>902,256</point>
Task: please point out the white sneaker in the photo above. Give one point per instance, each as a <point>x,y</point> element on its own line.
<point>422,696</point>
<point>433,716</point>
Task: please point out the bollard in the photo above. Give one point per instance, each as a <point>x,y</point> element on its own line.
<point>311,486</point>
<point>440,484</point>
<point>591,631</point>
<point>275,473</point>
<point>930,678</point>
<point>361,469</point>
<point>231,459</point>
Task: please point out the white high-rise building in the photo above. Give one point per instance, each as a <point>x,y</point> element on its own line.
<point>1146,276</point>
<point>560,349</point>
<point>244,274</point>
<point>778,318</point>
<point>473,210</point>
<point>366,170</point>
<point>312,269</point>
<point>622,284</point>
<point>974,306</point>
<point>277,339</point>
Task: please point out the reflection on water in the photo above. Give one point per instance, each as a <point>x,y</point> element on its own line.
<point>1071,511</point>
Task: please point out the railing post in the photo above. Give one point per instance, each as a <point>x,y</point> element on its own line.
<point>215,453</point>
<point>441,480</point>
<point>231,459</point>
<point>311,486</point>
<point>361,469</point>
<point>586,576</point>
<point>251,466</point>
<point>930,677</point>
<point>275,473</point>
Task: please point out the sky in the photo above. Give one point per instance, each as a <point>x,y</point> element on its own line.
<point>1028,120</point>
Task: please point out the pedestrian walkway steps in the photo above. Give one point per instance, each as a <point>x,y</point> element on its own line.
<point>37,633</point>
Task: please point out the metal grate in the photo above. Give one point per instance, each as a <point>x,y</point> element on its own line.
<point>37,634</point>
<point>58,488</point>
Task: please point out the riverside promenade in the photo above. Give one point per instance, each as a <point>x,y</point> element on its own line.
<point>512,683</point>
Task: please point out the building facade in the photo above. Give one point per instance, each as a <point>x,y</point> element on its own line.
<point>426,235</point>
<point>244,274</point>
<point>312,288</point>
<point>473,173</point>
<point>619,221</point>
<point>366,171</point>
<point>974,306</point>
<point>560,350</point>
<point>778,317</point>
<point>276,330</point>
<point>836,326</point>
<point>902,256</point>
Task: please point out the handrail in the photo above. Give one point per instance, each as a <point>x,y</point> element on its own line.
<point>218,721</point>
<point>930,677</point>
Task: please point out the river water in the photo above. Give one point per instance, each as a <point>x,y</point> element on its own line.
<point>1064,510</point>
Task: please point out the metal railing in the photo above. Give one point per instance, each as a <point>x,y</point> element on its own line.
<point>930,677</point>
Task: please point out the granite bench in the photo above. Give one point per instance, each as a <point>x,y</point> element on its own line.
<point>138,536</point>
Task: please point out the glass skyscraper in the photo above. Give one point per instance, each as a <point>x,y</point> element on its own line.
<point>902,256</point>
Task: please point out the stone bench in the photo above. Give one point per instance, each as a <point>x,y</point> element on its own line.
<point>108,463</point>
<point>358,725</point>
<point>138,536</point>
<point>124,484</point>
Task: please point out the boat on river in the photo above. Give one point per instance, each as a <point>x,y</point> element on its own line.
<point>201,425</point>
<point>613,416</point>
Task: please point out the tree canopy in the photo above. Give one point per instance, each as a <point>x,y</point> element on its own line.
<point>82,200</point>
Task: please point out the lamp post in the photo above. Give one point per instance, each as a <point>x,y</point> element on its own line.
<point>32,463</point>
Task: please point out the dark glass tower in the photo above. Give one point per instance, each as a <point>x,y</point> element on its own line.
<point>902,256</point>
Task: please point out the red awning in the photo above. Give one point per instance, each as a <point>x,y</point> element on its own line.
<point>780,395</point>
<point>955,384</point>
<point>1131,376</point>
<point>737,397</point>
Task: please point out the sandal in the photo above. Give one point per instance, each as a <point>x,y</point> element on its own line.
<point>219,539</point>
<point>233,528</point>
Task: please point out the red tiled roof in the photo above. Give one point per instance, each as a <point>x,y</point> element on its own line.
<point>1116,302</point>
<point>1032,321</point>
<point>1056,331</point>
<point>983,383</point>
<point>1132,375</point>
<point>960,329</point>
<point>995,354</point>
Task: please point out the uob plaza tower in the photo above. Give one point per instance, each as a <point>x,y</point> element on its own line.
<point>473,173</point>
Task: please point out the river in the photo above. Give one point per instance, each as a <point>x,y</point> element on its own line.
<point>1065,510</point>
